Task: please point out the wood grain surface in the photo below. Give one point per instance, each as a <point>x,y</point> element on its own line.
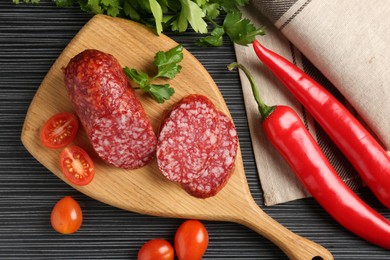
<point>31,39</point>
<point>145,190</point>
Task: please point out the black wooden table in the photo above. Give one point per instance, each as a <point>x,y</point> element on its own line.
<point>31,38</point>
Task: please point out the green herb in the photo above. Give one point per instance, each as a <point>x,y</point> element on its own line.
<point>177,16</point>
<point>239,30</point>
<point>27,1</point>
<point>214,39</point>
<point>167,64</point>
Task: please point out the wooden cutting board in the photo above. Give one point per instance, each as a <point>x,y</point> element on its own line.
<point>145,190</point>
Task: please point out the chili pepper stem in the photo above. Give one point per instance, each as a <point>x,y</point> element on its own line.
<point>264,109</point>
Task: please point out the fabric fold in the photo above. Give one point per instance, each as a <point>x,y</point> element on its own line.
<point>342,45</point>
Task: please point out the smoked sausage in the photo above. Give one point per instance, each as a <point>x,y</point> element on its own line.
<point>112,116</point>
<point>197,146</point>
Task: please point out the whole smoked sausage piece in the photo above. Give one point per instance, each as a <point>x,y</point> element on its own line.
<point>108,108</point>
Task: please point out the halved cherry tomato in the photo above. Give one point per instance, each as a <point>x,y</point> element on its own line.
<point>59,130</point>
<point>156,249</point>
<point>66,216</point>
<point>76,165</point>
<point>191,240</point>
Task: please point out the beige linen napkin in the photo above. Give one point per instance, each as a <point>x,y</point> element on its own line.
<point>341,44</point>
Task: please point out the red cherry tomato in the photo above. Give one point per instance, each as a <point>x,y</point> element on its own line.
<point>156,249</point>
<point>191,240</point>
<point>59,130</point>
<point>66,216</point>
<point>76,165</point>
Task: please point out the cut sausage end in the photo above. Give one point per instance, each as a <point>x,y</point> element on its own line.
<point>197,146</point>
<point>221,166</point>
<point>187,138</point>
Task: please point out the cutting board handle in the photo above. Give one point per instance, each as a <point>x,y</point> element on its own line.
<point>293,245</point>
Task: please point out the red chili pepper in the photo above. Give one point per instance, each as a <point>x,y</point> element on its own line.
<point>367,156</point>
<point>289,136</point>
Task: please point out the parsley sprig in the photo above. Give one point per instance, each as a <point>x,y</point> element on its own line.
<point>239,30</point>
<point>177,16</point>
<point>168,67</point>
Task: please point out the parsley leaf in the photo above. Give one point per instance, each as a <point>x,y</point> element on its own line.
<point>112,7</point>
<point>91,6</point>
<point>214,39</point>
<point>190,13</point>
<point>176,15</point>
<point>131,12</point>
<point>64,3</point>
<point>139,77</point>
<point>212,10</point>
<point>160,93</point>
<point>155,7</point>
<point>167,62</point>
<point>232,5</point>
<point>194,15</point>
<point>26,1</point>
<point>167,67</point>
<point>240,31</point>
